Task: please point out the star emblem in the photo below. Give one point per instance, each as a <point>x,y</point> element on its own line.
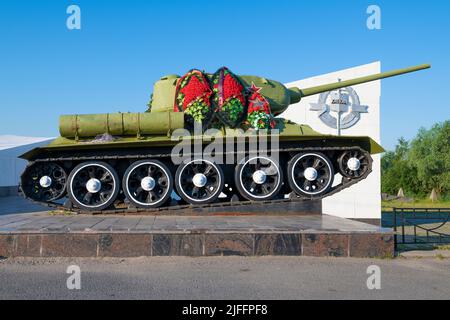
<point>254,88</point>
<point>257,103</point>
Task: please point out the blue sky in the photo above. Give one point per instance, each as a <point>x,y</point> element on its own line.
<point>124,46</point>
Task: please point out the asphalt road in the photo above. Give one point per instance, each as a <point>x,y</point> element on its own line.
<point>225,278</point>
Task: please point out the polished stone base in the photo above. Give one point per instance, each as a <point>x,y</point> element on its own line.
<point>43,235</point>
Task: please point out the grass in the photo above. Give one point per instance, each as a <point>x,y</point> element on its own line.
<point>60,213</point>
<point>417,203</point>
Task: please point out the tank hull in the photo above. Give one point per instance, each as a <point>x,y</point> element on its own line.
<point>63,158</point>
<point>302,134</point>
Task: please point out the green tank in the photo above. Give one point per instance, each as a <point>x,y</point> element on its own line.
<point>165,158</point>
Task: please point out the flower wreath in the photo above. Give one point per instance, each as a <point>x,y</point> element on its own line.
<point>228,97</point>
<point>192,96</point>
<point>259,115</point>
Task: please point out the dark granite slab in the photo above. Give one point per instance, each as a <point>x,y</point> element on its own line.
<point>128,236</point>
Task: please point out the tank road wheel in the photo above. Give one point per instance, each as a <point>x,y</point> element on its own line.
<point>147,183</point>
<point>258,178</point>
<point>44,182</point>
<point>199,181</point>
<point>354,163</point>
<point>310,174</point>
<point>93,185</point>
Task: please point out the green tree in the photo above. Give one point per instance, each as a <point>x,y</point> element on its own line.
<point>429,154</point>
<point>397,172</point>
<point>419,166</point>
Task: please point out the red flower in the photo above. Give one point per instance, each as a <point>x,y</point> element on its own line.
<point>257,102</point>
<point>232,88</point>
<point>195,89</point>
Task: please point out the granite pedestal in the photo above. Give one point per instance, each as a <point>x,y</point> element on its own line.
<point>44,234</point>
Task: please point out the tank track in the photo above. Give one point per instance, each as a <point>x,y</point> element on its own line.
<point>124,208</point>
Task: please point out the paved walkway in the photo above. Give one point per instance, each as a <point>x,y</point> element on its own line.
<point>20,216</point>
<point>44,222</point>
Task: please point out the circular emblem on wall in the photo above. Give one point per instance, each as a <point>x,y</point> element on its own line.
<point>345,105</point>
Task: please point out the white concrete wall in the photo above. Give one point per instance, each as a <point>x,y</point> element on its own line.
<point>11,167</point>
<point>363,199</point>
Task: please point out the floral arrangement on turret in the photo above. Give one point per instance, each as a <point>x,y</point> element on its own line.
<point>228,97</point>
<point>223,99</point>
<point>193,95</point>
<point>259,115</point>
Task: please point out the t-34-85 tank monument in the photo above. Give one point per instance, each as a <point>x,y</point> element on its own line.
<point>122,161</point>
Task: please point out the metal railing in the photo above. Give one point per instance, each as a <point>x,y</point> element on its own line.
<point>421,225</point>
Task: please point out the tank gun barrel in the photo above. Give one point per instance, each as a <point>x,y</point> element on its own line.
<point>297,94</point>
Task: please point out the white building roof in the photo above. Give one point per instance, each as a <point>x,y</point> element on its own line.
<point>11,141</point>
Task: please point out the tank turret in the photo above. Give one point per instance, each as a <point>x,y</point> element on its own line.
<point>278,96</point>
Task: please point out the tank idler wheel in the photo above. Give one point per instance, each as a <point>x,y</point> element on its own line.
<point>199,181</point>
<point>310,174</point>
<point>147,183</point>
<point>93,185</point>
<point>44,182</point>
<point>353,163</point>
<point>258,178</point>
